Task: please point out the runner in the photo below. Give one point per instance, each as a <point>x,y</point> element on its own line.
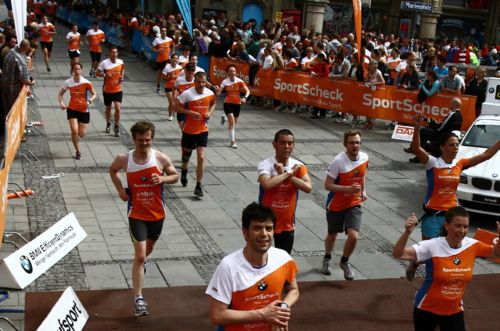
<point>443,177</point>
<point>163,46</point>
<point>193,59</point>
<point>232,104</point>
<point>170,74</point>
<point>47,30</point>
<point>280,178</point>
<point>183,83</point>
<point>147,170</point>
<point>113,70</point>
<point>78,108</point>
<point>254,288</point>
<point>450,261</point>
<point>94,38</point>
<point>198,103</point>
<point>345,181</point>
<point>73,41</point>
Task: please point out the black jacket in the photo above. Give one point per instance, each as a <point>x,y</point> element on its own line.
<point>452,122</point>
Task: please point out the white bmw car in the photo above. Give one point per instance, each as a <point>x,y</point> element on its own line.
<point>479,189</point>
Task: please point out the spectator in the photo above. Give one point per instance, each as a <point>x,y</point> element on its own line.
<point>426,60</point>
<point>441,69</point>
<point>319,69</point>
<point>452,84</point>
<point>392,63</point>
<point>429,86</point>
<point>305,63</point>
<point>478,87</point>
<point>410,80</point>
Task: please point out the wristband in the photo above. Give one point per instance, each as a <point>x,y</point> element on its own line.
<point>284,305</point>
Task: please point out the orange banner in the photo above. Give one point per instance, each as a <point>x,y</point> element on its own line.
<point>14,128</point>
<point>385,102</point>
<point>487,237</point>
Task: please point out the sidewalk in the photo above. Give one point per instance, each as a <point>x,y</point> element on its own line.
<point>197,234</point>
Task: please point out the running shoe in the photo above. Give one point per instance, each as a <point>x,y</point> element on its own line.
<point>411,270</point>
<point>48,69</point>
<point>117,131</point>
<point>327,264</point>
<point>140,308</point>
<point>108,128</point>
<point>346,267</point>
<point>170,118</point>
<point>198,191</point>
<point>78,156</point>
<point>184,180</point>
<point>233,145</point>
<point>223,120</point>
<point>158,89</point>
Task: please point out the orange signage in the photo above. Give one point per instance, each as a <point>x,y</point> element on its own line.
<point>385,102</point>
<point>487,237</point>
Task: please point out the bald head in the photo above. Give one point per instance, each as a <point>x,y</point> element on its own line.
<point>24,46</point>
<point>455,103</point>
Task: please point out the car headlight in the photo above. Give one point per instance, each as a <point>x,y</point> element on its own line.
<point>463,178</point>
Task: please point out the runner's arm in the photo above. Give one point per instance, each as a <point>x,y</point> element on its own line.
<point>291,293</point>
<point>269,182</point>
<point>118,164</point>
<point>303,183</point>
<point>93,95</point>
<point>221,314</point>
<point>415,143</point>
<point>332,187</point>
<point>245,89</point>
<point>400,250</point>
<point>60,98</point>
<point>172,176</point>
<point>211,109</point>
<point>486,155</point>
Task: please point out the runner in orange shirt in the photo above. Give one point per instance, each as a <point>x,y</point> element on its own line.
<point>163,46</point>
<point>170,73</point>
<point>147,170</point>
<point>94,38</point>
<point>113,70</point>
<point>51,8</point>
<point>73,41</point>
<point>233,86</point>
<point>198,103</point>
<point>182,83</point>
<point>255,287</point>
<point>280,178</point>
<point>345,181</point>
<point>47,30</point>
<point>450,262</point>
<point>79,103</point>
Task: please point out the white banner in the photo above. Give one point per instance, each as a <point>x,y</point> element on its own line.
<point>67,314</point>
<point>403,132</point>
<point>29,262</point>
<point>20,12</point>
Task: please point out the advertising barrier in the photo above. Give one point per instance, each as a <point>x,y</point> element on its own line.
<point>384,102</point>
<point>14,126</point>
<point>67,314</point>
<point>29,262</point>
<point>487,237</point>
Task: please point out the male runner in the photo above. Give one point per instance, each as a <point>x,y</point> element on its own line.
<point>345,179</point>
<point>47,30</point>
<point>182,83</point>
<point>112,69</point>
<point>163,46</point>
<point>281,177</point>
<point>198,103</point>
<point>94,38</point>
<point>232,104</point>
<point>147,170</point>
<point>254,287</point>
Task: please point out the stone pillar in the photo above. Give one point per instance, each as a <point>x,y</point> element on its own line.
<point>491,30</point>
<point>394,16</point>
<point>315,14</point>
<point>199,5</point>
<point>428,21</point>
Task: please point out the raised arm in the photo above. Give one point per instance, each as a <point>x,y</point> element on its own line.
<point>400,250</point>
<point>415,142</point>
<point>486,155</point>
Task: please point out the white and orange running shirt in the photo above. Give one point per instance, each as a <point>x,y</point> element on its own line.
<point>233,88</point>
<point>448,270</point>
<point>197,102</point>
<point>174,73</point>
<point>96,38</point>
<point>442,182</point>
<point>163,45</point>
<point>237,284</point>
<point>74,40</point>
<point>346,172</point>
<point>112,84</point>
<point>291,64</point>
<point>198,69</point>
<point>181,84</point>
<point>78,93</point>
<point>183,60</point>
<point>282,199</point>
<point>46,32</point>
<point>147,202</point>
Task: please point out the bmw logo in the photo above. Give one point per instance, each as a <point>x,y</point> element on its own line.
<point>495,175</point>
<point>143,179</point>
<point>26,264</point>
<point>262,286</point>
<point>456,261</point>
<point>491,90</point>
<point>356,172</point>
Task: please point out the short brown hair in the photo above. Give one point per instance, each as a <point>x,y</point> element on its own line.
<point>142,127</point>
<point>76,64</point>
<point>351,132</point>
